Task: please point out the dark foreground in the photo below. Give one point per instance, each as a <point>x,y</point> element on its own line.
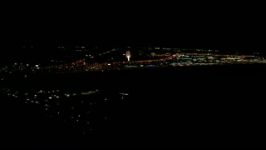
<point>189,107</point>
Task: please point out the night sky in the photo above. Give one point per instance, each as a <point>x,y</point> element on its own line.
<point>216,25</point>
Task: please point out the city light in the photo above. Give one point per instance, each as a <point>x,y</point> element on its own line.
<point>80,91</point>
<point>128,55</point>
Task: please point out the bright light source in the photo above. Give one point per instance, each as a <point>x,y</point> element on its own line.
<point>128,55</point>
<point>37,66</point>
<point>128,58</point>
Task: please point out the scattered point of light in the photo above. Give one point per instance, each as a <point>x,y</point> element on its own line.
<point>125,94</point>
<point>88,112</point>
<point>50,97</point>
<point>41,91</point>
<point>37,66</point>
<point>67,95</point>
<point>109,64</point>
<point>106,99</point>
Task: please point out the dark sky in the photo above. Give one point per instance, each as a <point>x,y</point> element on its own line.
<point>203,25</point>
